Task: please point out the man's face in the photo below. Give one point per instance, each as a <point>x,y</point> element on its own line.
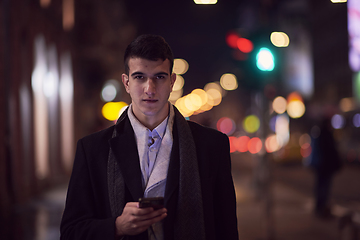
<point>149,84</point>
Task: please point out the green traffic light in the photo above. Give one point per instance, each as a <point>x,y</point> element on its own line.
<point>265,60</point>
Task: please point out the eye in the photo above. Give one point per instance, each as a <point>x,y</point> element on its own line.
<point>160,77</point>
<point>138,77</point>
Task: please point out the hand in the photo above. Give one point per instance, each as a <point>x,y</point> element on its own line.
<point>135,220</point>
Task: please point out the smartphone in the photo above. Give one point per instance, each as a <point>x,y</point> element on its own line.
<point>154,202</point>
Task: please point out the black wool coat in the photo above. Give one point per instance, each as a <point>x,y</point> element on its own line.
<point>87,213</point>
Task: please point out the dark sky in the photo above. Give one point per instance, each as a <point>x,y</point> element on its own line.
<point>196,33</point>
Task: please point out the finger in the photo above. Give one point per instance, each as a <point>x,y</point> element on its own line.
<point>148,213</point>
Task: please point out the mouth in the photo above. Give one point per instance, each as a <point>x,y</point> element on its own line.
<point>150,100</point>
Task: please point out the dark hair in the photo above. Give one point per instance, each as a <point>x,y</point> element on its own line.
<point>150,47</point>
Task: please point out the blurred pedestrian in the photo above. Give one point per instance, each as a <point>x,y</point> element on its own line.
<point>325,162</point>
<point>152,151</point>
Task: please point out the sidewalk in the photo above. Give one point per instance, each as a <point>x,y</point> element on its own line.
<point>291,216</point>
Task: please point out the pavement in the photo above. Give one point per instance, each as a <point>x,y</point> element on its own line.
<point>282,213</point>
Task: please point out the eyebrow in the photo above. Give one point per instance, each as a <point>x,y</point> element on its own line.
<point>156,74</point>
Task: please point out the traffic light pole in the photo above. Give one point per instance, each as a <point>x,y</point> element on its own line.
<point>263,172</point>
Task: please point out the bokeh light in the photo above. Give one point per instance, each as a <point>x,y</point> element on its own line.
<point>231,39</point>
<point>112,110</point>
<point>305,150</point>
<point>181,66</point>
<point>205,1</point>
<point>214,85</point>
<point>294,96</point>
<point>202,94</point>
<point>255,145</point>
<point>232,141</point>
<point>251,124</point>
<point>338,121</point>
<point>215,96</point>
<point>242,144</point>
<point>192,102</point>
<point>110,90</point>
<point>179,83</point>
<point>282,129</point>
<point>356,120</point>
<point>226,125</point>
<point>304,138</point>
<point>228,81</point>
<point>279,39</point>
<point>244,45</point>
<point>296,109</point>
<point>175,95</point>
<point>346,104</point>
<point>180,105</point>
<point>265,60</point>
<point>271,144</point>
<point>279,105</point>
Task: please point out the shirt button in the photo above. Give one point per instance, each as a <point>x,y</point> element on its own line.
<point>152,149</point>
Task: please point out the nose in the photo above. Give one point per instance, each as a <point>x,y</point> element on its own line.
<point>150,87</point>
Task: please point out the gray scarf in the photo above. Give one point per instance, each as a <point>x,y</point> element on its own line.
<point>189,221</point>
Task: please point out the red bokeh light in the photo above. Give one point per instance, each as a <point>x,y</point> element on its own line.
<point>245,45</point>
<point>233,141</point>
<point>242,143</point>
<point>254,145</point>
<point>231,39</point>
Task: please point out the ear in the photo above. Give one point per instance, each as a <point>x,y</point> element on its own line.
<point>125,80</point>
<point>172,80</point>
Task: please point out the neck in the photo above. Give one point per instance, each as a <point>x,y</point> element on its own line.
<point>151,122</point>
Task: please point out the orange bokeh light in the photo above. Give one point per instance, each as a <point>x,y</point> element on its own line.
<point>294,96</point>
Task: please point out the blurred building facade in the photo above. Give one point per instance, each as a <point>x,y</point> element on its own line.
<point>54,59</point>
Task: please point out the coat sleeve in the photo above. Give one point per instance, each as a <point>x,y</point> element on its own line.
<point>85,215</point>
<point>218,193</point>
<point>224,195</point>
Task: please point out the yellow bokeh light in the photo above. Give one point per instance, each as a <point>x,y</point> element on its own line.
<point>180,104</point>
<point>214,85</point>
<point>208,105</point>
<point>180,66</point>
<point>112,110</point>
<point>175,95</point>
<point>192,102</point>
<point>338,1</point>
<point>296,109</point>
<point>215,96</point>
<point>205,1</point>
<point>202,94</point>
<point>228,81</point>
<point>279,39</point>
<point>251,124</point>
<point>179,83</point>
<point>279,105</point>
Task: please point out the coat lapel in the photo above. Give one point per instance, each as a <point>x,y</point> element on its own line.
<point>126,153</point>
<point>172,181</point>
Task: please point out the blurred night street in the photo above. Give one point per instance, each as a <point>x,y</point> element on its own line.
<point>281,78</point>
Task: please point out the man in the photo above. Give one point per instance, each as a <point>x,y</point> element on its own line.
<point>152,151</point>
